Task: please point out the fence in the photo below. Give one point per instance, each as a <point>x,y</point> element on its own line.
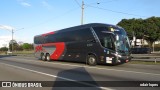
<point>146,57</point>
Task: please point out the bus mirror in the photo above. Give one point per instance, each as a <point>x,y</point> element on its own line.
<point>117,37</point>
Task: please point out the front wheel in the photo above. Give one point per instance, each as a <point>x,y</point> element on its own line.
<point>91,60</point>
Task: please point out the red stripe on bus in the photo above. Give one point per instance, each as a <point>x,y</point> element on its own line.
<point>60,47</point>
<point>47,33</point>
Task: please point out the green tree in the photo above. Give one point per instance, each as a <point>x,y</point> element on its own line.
<point>15,45</point>
<point>27,46</point>
<point>20,48</point>
<point>132,26</point>
<point>152,29</point>
<point>3,49</point>
<point>148,28</point>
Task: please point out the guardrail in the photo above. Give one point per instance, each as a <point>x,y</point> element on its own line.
<point>146,57</point>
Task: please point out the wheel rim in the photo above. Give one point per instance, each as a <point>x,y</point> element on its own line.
<point>92,60</point>
<point>48,58</point>
<point>43,57</point>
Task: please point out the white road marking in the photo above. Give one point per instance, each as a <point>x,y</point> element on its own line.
<point>90,67</point>
<point>110,69</point>
<point>46,74</point>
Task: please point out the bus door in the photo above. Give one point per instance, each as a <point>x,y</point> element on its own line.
<point>93,45</point>
<point>105,45</point>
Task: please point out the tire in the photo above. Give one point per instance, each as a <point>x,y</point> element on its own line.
<point>91,60</point>
<point>48,57</point>
<point>43,57</point>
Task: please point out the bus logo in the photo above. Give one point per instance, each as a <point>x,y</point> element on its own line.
<point>38,48</point>
<point>6,84</point>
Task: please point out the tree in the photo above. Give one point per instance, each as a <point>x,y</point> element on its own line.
<point>148,28</point>
<point>15,45</point>
<point>133,27</point>
<point>20,48</point>
<point>152,29</point>
<point>27,46</point>
<point>3,49</point>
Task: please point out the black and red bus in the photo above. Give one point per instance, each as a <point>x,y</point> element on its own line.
<point>94,43</point>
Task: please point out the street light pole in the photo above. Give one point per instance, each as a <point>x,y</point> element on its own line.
<point>82,7</point>
<point>12,40</point>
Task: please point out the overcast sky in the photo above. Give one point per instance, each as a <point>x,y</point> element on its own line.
<point>41,16</point>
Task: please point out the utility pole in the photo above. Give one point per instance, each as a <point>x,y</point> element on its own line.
<point>82,7</point>
<point>12,40</point>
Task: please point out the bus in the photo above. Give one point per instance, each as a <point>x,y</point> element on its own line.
<point>94,43</point>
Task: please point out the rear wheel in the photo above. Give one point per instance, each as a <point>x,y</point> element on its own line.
<point>43,57</point>
<point>48,57</point>
<point>91,60</point>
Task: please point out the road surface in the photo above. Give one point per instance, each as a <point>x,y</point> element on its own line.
<point>64,75</point>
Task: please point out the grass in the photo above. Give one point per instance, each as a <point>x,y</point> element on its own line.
<point>19,53</point>
<point>23,52</point>
<point>2,53</point>
<point>145,62</point>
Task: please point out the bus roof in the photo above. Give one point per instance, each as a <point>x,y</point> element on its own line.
<point>80,27</point>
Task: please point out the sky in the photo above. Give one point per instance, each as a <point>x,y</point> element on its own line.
<point>28,18</point>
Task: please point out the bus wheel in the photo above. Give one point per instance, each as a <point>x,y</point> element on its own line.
<point>48,57</point>
<point>91,60</point>
<point>43,57</point>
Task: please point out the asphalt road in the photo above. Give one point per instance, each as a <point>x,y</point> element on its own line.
<point>64,75</point>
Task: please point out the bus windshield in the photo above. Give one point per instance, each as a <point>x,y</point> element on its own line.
<point>122,44</point>
<point>113,38</point>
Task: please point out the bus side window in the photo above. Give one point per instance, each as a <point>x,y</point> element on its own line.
<point>108,42</point>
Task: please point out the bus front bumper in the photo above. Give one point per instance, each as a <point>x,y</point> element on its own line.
<point>124,59</point>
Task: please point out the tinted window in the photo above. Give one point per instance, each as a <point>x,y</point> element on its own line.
<point>80,35</point>
<point>115,30</point>
<point>39,39</point>
<point>106,38</point>
<point>69,36</point>
<point>99,30</point>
